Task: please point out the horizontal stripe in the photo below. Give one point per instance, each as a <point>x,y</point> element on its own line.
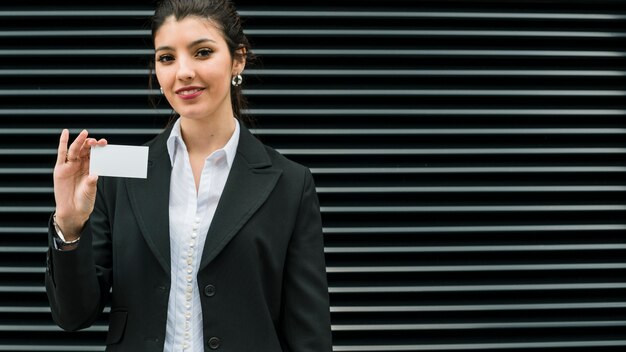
<point>469,169</point>
<point>389,152</point>
<point>472,189</point>
<point>416,289</point>
<point>470,325</point>
<point>329,92</point>
<point>471,229</point>
<point>479,288</point>
<point>334,52</point>
<point>477,249</point>
<point>446,151</point>
<point>471,268</point>
<point>406,269</point>
<point>476,307</point>
<point>392,189</point>
<point>436,208</point>
<point>332,14</point>
<point>56,347</point>
<point>329,72</point>
<point>576,343</point>
<point>564,113</point>
<point>290,32</point>
<point>337,310</point>
<point>420,249</point>
<point>408,209</point>
<point>404,170</point>
<point>345,132</point>
<point>23,230</point>
<point>37,328</point>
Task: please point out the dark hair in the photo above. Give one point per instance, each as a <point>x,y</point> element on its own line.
<point>224,15</point>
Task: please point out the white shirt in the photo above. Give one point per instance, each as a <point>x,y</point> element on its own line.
<point>191,214</point>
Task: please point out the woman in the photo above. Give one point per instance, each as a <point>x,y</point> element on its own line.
<point>221,246</point>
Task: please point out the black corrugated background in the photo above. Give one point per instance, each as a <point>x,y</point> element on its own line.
<point>469,158</point>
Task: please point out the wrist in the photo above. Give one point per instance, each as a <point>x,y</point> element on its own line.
<point>60,245</point>
<point>66,231</point>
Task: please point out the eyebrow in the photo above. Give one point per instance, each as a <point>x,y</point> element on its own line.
<point>191,45</point>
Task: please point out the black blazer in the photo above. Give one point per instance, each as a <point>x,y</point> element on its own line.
<point>262,277</point>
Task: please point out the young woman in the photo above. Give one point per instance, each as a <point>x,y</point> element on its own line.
<point>221,247</point>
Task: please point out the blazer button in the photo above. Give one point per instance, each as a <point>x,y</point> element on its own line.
<point>209,291</point>
<point>214,343</point>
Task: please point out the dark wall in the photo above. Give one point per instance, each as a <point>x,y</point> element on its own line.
<point>469,158</point>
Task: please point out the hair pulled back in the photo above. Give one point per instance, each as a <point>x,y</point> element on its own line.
<point>223,14</point>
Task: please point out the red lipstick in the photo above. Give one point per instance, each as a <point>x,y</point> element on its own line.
<point>189,92</point>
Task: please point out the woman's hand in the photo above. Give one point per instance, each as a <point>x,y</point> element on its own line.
<point>74,187</point>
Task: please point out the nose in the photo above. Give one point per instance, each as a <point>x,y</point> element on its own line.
<point>185,70</point>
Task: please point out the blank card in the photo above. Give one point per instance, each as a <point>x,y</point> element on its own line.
<point>119,161</point>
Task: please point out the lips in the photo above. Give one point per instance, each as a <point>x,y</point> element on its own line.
<point>189,92</point>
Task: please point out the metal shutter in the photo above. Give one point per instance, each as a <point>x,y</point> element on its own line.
<point>469,158</point>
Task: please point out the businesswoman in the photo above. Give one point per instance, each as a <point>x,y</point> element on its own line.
<point>221,247</point>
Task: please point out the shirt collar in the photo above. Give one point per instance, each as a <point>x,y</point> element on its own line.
<point>230,148</point>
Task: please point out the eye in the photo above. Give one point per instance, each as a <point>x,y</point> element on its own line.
<point>205,52</point>
<point>165,58</point>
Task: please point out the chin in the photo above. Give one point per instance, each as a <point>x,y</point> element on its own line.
<point>193,114</point>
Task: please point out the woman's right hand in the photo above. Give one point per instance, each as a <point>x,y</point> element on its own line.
<point>74,187</point>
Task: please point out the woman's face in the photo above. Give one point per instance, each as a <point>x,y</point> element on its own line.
<point>194,67</point>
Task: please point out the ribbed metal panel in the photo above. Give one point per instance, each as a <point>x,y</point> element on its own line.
<point>469,158</point>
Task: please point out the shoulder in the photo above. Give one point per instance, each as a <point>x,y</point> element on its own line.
<point>283,162</point>
<point>294,175</point>
<point>259,155</point>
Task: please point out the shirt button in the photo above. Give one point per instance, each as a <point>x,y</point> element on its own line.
<point>209,290</point>
<point>214,343</point>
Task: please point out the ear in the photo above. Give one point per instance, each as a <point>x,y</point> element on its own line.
<point>239,60</point>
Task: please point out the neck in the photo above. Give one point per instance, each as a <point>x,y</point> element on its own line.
<point>204,136</point>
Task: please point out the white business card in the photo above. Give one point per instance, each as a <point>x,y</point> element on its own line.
<point>119,161</point>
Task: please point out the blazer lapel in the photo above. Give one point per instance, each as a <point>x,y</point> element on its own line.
<point>250,181</point>
<point>149,199</point>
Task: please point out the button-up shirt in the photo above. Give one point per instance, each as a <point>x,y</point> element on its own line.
<point>190,215</point>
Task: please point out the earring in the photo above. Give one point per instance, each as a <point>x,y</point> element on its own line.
<point>161,88</point>
<point>236,81</point>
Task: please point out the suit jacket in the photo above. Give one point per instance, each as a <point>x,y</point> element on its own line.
<point>262,277</point>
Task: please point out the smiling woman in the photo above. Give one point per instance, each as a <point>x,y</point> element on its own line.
<point>195,68</point>
<point>221,245</point>
<point>224,24</point>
